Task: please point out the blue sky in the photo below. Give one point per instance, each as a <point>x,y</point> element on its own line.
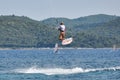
<point>42,9</point>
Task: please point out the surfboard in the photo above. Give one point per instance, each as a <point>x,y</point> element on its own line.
<point>67,41</point>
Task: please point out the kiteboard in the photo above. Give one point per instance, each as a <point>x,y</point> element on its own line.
<point>67,41</point>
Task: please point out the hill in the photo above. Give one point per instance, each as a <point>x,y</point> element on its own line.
<point>90,31</point>
<point>87,20</point>
<point>103,35</point>
<point>23,32</point>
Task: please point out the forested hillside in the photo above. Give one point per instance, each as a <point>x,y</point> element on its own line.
<point>24,32</point>
<point>104,35</point>
<point>91,31</point>
<point>87,20</point>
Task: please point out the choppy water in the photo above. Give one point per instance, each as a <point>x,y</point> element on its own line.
<point>66,64</point>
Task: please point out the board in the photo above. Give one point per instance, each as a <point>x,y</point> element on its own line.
<point>67,41</point>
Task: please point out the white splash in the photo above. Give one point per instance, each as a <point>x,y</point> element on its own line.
<point>56,71</point>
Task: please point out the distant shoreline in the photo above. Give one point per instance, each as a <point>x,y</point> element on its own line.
<point>51,48</point>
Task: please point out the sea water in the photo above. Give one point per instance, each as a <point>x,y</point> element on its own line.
<point>66,64</point>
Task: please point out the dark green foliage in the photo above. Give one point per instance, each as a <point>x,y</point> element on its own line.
<point>91,31</point>
<point>23,32</point>
<point>93,19</point>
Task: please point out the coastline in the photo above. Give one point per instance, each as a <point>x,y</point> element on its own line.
<point>52,48</point>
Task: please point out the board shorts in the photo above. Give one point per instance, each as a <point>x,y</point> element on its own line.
<point>62,35</point>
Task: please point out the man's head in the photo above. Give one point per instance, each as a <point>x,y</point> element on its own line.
<point>61,23</point>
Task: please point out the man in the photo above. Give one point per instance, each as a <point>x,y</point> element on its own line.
<point>62,31</point>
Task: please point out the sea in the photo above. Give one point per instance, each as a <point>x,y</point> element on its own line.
<point>65,64</point>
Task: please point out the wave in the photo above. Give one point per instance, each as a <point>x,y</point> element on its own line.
<point>57,71</point>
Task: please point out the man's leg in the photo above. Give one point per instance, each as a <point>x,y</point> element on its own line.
<point>60,36</point>
<point>63,35</point>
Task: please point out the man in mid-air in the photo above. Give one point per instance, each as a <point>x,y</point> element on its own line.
<point>61,28</point>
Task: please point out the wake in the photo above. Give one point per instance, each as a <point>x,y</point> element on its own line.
<point>57,71</point>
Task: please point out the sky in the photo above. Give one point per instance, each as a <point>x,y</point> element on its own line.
<point>43,9</point>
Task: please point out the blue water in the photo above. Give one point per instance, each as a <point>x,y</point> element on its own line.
<point>66,64</point>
